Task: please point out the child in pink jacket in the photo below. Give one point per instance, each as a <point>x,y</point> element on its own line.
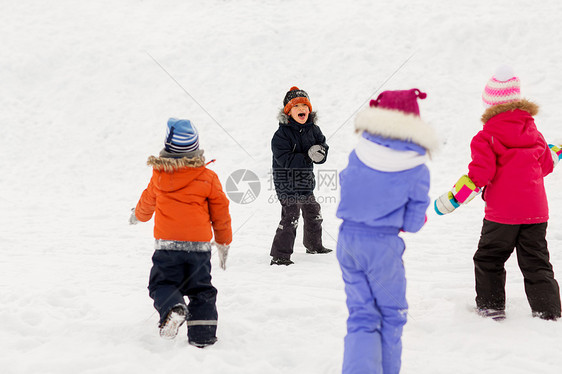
<point>510,158</point>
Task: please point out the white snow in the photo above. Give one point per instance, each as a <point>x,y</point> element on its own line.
<point>86,89</point>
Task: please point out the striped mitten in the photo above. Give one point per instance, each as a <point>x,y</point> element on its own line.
<point>556,153</point>
<point>462,192</point>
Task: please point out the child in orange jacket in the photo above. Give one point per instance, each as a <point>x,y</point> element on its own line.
<point>188,204</point>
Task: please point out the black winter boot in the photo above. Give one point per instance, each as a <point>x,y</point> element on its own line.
<point>495,314</point>
<point>320,250</point>
<point>203,344</point>
<point>548,316</point>
<point>281,261</point>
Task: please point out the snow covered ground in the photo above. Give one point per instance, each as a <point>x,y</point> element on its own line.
<point>85,91</point>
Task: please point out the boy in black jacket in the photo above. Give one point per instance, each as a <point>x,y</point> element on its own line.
<point>296,145</point>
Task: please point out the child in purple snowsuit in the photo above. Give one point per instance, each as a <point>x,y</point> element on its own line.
<point>384,190</point>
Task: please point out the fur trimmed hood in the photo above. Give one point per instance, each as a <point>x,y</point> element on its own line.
<point>524,104</point>
<point>167,164</point>
<point>395,124</point>
<point>284,118</point>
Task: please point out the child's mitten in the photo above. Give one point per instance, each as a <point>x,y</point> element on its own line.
<point>465,190</point>
<point>556,152</point>
<point>317,153</point>
<point>445,203</point>
<point>223,254</point>
<point>133,218</point>
<point>462,192</point>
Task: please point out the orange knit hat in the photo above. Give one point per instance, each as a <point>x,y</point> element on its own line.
<point>294,97</point>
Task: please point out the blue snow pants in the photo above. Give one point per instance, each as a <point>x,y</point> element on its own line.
<point>176,274</point>
<point>375,284</point>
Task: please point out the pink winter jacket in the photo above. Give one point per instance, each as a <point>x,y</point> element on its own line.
<point>510,158</point>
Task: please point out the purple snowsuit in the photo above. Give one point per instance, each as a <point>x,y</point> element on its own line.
<point>375,205</point>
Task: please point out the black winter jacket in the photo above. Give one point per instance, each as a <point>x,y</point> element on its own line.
<point>293,173</point>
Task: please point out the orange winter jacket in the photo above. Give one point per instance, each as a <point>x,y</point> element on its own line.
<point>188,199</point>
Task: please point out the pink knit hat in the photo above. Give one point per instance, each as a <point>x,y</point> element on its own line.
<point>503,87</point>
<point>396,115</point>
<point>404,101</point>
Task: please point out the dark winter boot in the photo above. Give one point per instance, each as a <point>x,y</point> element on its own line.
<point>546,316</point>
<point>175,318</point>
<point>203,344</point>
<point>495,314</point>
<point>281,261</point>
<point>320,250</point>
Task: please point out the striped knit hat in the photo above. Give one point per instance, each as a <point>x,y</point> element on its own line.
<point>181,136</point>
<point>295,96</point>
<point>503,87</point>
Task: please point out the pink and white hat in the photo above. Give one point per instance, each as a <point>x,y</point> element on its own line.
<point>403,101</point>
<point>503,87</point>
<point>396,115</point>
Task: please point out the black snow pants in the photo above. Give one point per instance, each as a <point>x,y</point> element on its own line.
<point>497,242</point>
<point>284,240</point>
<point>176,274</point>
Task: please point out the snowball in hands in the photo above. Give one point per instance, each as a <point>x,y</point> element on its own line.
<point>317,153</point>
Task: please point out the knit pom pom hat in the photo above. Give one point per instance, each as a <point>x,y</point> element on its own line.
<point>396,115</point>
<point>293,97</point>
<point>181,136</point>
<point>404,101</point>
<point>503,87</point>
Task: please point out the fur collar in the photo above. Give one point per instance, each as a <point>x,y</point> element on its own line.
<point>171,164</point>
<point>284,118</point>
<point>395,124</point>
<point>524,104</point>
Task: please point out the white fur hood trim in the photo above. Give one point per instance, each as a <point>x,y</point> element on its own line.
<point>395,124</point>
